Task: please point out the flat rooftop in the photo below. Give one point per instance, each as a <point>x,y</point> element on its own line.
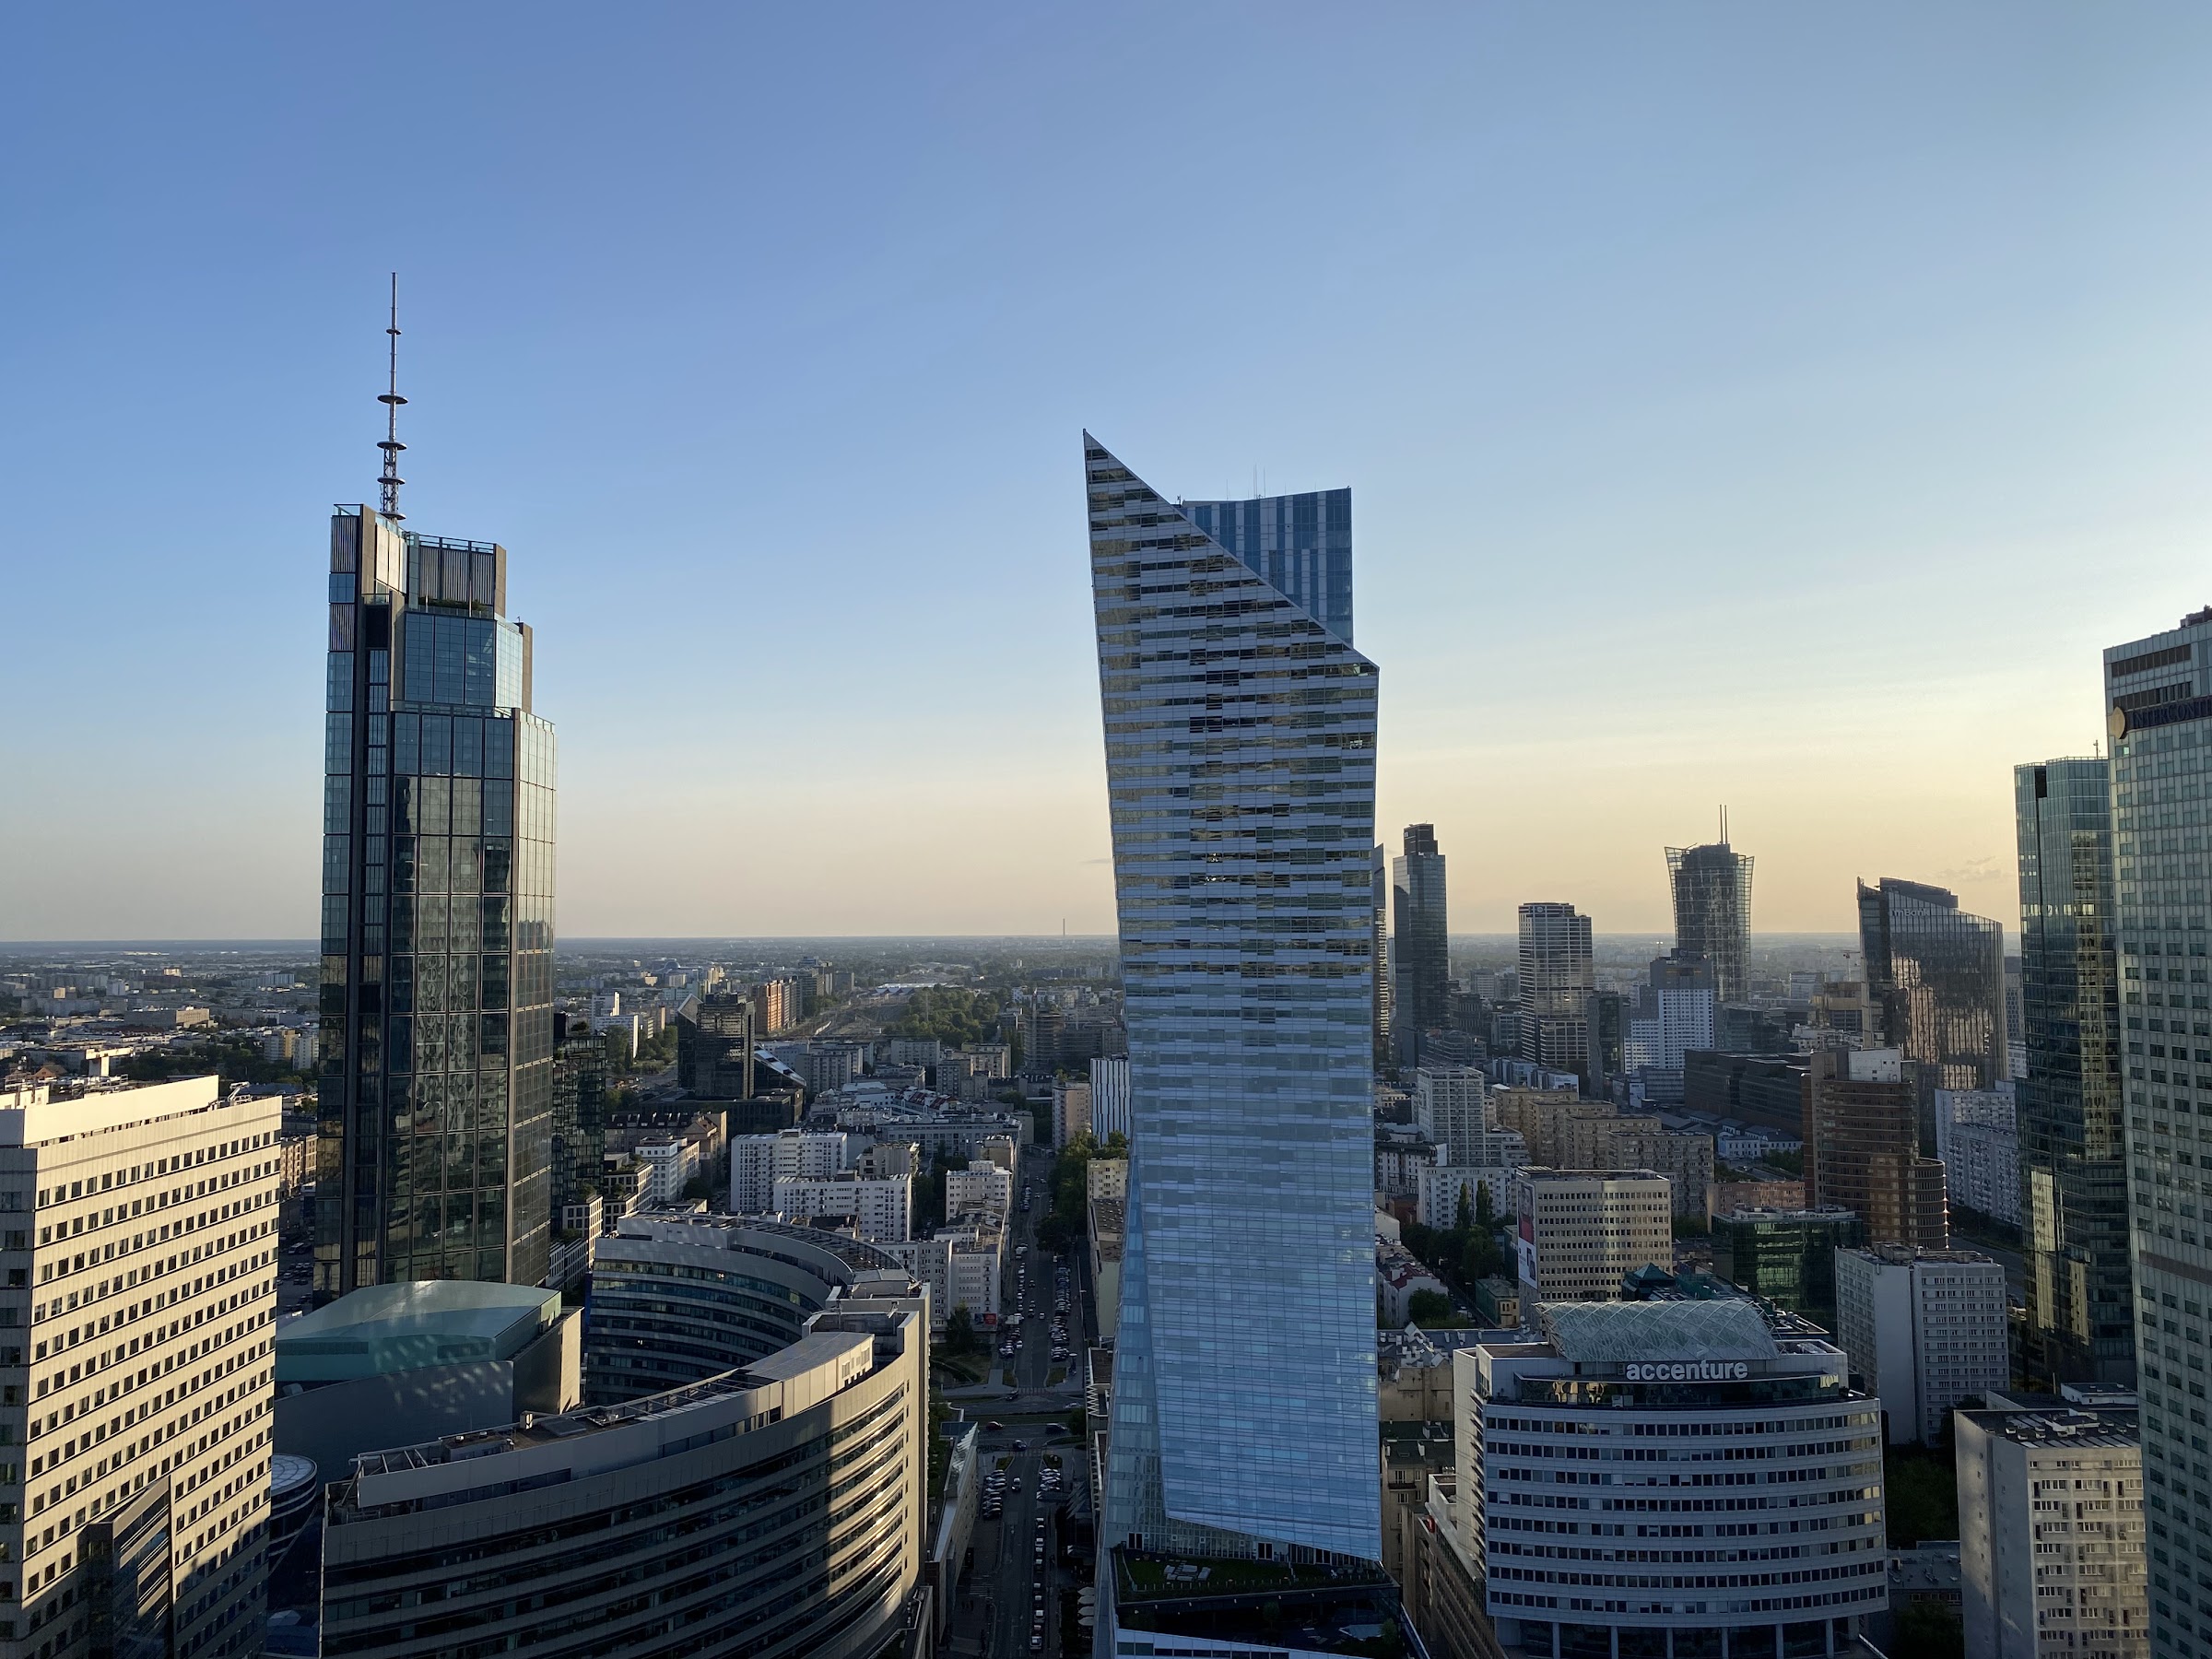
<point>382,1329</point>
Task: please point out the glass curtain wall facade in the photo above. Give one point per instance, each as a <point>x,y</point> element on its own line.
<point>2072,1165</point>
<point>1379,955</point>
<point>1713,912</point>
<point>437,959</point>
<point>1938,975</point>
<point>1239,729</point>
<point>1421,1000</point>
<point>2158,693</point>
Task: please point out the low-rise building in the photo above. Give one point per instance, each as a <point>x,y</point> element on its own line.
<point>982,1188</point>
<point>1926,1329</point>
<point>2051,1545</point>
<point>1722,1196</point>
<point>1400,1275</point>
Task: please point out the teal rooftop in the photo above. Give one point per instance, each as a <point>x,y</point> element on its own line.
<point>382,1329</point>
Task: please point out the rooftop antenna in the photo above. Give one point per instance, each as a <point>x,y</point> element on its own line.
<point>388,485</point>
<point>1724,826</point>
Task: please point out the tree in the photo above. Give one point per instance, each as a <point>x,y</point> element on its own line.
<point>960,1332</point>
<point>1926,1628</point>
<point>1484,1216</point>
<point>1427,1307</point>
<point>1463,1217</point>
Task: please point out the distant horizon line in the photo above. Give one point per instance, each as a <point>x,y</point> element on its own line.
<point>314,946</point>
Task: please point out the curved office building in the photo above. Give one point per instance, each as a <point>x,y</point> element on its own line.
<point>676,1300</point>
<point>771,1511</point>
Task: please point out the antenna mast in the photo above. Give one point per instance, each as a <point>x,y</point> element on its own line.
<point>388,485</point>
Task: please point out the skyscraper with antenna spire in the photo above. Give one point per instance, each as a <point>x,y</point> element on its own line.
<point>1712,911</point>
<point>436,1054</point>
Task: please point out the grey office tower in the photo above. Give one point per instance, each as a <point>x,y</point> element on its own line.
<point>1421,999</point>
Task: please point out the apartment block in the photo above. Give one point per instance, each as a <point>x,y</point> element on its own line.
<point>982,1188</point>
<point>2051,1547</point>
<point>1926,1329</point>
<point>758,1161</point>
<point>1540,1117</point>
<point>881,1210</point>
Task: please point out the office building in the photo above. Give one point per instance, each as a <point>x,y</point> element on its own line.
<point>1713,912</point>
<point>1862,1148</point>
<point>678,1299</point>
<point>1578,1233</point>
<point>135,1438</point>
<point>1668,1478</point>
<point>1977,1140</point>
<point>714,1046</point>
<point>758,1162</point>
<point>437,974</point>
<point>1240,728</point>
<point>578,1117</point>
<point>1558,974</point>
<point>794,1484</point>
<point>880,1209</point>
<point>1110,1096</point>
<point>1925,1328</point>
<point>1608,1043</point>
<point>1379,958</point>
<point>1450,1107</point>
<point>1935,977</point>
<point>1421,971</point>
<point>2158,692</point>
<point>2072,1168</point>
<point>829,1066</point>
<point>2051,1545</point>
<point>1766,1091</point>
<point>1785,1255</point>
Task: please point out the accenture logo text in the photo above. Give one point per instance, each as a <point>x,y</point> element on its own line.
<point>1698,1370</point>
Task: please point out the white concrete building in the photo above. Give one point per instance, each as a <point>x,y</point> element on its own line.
<point>673,1163</point>
<point>1451,1106</point>
<point>881,1210</point>
<point>1659,1475</point>
<point>1110,1096</point>
<point>981,1188</point>
<point>1437,1189</point>
<point>2051,1549</point>
<point>1925,1329</point>
<point>139,1226</point>
<point>758,1162</point>
<point>963,1267</point>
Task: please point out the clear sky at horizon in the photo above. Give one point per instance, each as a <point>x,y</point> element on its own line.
<point>1776,406</point>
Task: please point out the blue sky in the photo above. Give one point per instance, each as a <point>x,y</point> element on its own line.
<point>1770,406</point>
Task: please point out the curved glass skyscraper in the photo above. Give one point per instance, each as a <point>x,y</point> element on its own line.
<point>1241,764</point>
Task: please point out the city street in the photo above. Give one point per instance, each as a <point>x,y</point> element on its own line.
<point>1013,1601</point>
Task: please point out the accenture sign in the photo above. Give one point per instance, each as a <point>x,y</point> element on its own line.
<point>1695,1370</point>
